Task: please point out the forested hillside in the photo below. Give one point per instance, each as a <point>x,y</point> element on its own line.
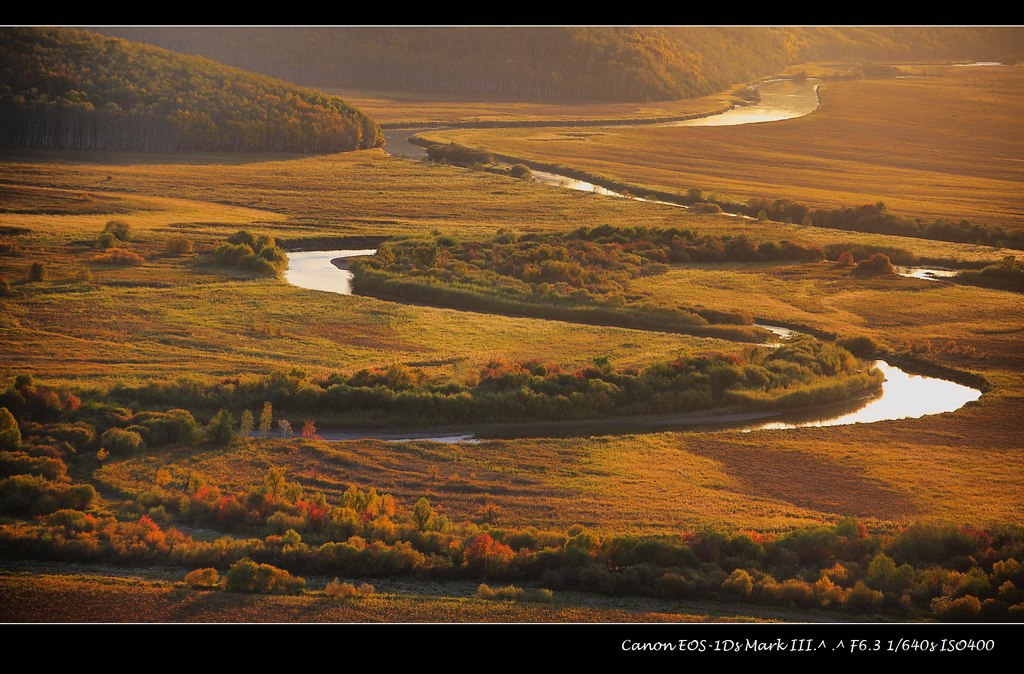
<point>581,63</point>
<point>67,88</point>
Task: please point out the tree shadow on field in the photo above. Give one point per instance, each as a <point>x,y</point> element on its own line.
<point>809,482</point>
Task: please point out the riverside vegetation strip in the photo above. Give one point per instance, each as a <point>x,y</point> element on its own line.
<point>807,478</point>
<point>871,140</point>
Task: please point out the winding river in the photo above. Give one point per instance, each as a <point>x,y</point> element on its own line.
<point>780,99</point>
<point>903,395</point>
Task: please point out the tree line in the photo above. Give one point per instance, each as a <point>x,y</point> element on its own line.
<point>50,439</point>
<point>876,219</point>
<point>69,88</point>
<point>583,276</point>
<point>802,372</point>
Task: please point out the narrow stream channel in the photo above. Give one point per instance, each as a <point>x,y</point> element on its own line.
<point>903,395</point>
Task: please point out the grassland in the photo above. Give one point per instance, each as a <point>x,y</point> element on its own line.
<point>945,145</point>
<point>146,321</point>
<point>175,314</point>
<point>361,193</point>
<point>394,109</point>
<point>179,314</point>
<point>762,481</point>
<point>59,595</point>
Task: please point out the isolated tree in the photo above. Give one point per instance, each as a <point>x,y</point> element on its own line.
<point>221,428</point>
<point>423,515</point>
<point>309,429</point>
<point>241,577</point>
<point>121,230</point>
<point>37,272</point>
<point>245,426</point>
<point>274,480</point>
<point>739,583</point>
<point>286,428</point>
<point>266,419</point>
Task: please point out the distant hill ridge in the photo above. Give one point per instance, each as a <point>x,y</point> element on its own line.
<point>629,64</point>
<point>66,88</point>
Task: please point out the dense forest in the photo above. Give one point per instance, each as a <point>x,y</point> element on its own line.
<point>75,89</point>
<point>582,63</point>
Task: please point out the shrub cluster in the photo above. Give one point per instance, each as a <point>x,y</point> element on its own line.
<point>583,276</point>
<point>802,372</point>
<point>256,253</point>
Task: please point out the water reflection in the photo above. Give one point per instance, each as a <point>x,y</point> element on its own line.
<point>313,269</point>
<point>568,183</point>
<point>573,184</point>
<point>926,273</point>
<point>780,99</point>
<point>904,396</point>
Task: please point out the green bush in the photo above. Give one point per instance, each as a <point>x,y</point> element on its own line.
<point>19,463</point>
<point>34,495</point>
<point>964,609</point>
<point>120,257</point>
<point>161,428</point>
<point>537,595</point>
<point>122,441</point>
<point>10,434</point>
<point>861,346</point>
<point>178,244</point>
<point>338,590</point>
<point>221,428</point>
<point>119,229</point>
<point>863,598</point>
<point>705,207</point>
<point>521,171</point>
<point>203,579</point>
<point>508,593</point>
<point>876,265</point>
<point>459,155</point>
<point>255,253</point>
<point>739,583</point>
<point>247,577</point>
<point>1005,275</point>
<point>79,434</point>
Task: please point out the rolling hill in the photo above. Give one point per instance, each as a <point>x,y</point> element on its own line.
<point>626,64</point>
<point>64,88</point>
